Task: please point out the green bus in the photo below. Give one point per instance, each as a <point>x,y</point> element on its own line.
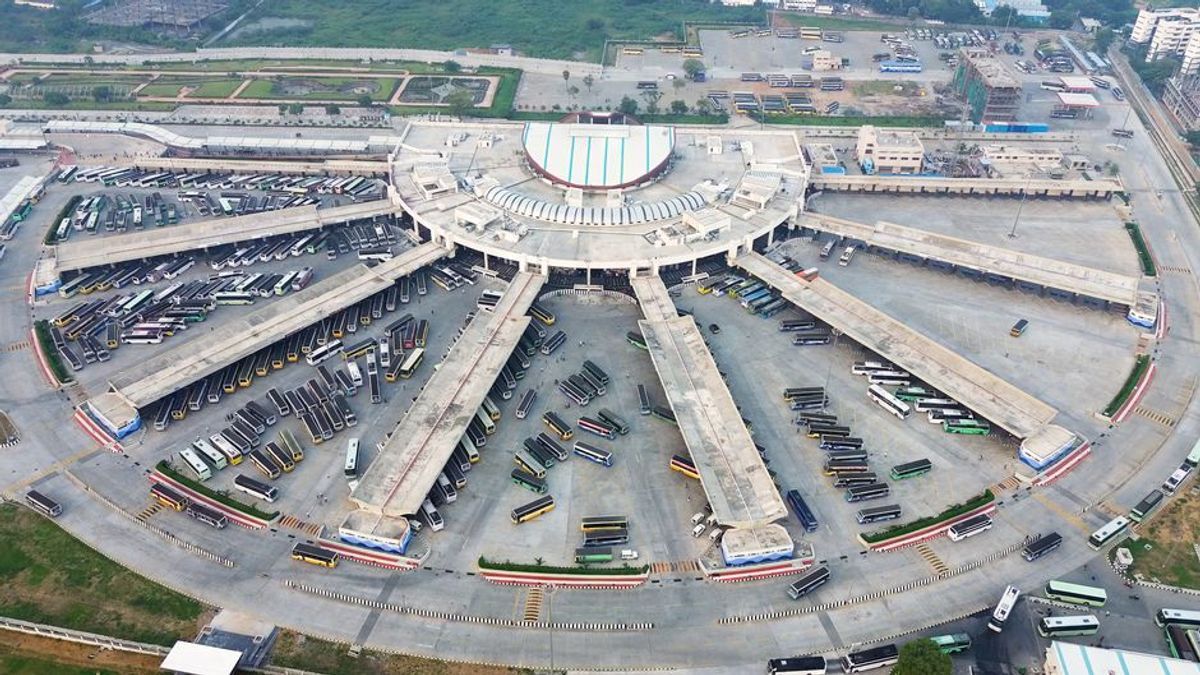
<point>967,426</point>
<point>1076,594</point>
<point>911,469</point>
<point>952,644</point>
<point>584,556</point>
<point>636,339</point>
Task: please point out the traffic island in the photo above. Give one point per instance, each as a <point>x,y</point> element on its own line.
<point>374,557</point>
<point>49,359</point>
<point>1131,391</point>
<point>765,570</point>
<point>515,574</point>
<point>925,529</point>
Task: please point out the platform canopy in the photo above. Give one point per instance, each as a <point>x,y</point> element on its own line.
<point>1077,100</point>
<point>597,156</point>
<point>194,659</point>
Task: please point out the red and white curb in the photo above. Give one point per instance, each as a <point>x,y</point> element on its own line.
<point>96,432</point>
<point>591,581</point>
<point>927,533</point>
<point>43,364</point>
<point>1160,329</point>
<point>1062,466</point>
<point>235,516</point>
<point>366,556</point>
<point>1136,397</point>
<point>759,571</point>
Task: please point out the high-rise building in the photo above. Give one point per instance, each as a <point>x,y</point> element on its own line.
<point>991,93</point>
<point>1170,33</point>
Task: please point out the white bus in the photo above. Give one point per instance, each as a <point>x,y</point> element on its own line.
<point>1111,530</point>
<point>489,427</point>
<point>232,454</point>
<point>847,256</point>
<point>323,352</point>
<point>432,516</point>
<point>1003,608</point>
<point>970,527</point>
<point>196,464</point>
<point>888,402</point>
<point>210,453</point>
<point>526,403</point>
<point>351,468</point>
<point>255,488</point>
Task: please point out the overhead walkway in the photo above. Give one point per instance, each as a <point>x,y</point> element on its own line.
<point>989,396</point>
<point>177,368</point>
<point>1030,272</point>
<point>733,475</point>
<point>1099,188</point>
<point>418,448</point>
<point>351,167</point>
<point>83,253</point>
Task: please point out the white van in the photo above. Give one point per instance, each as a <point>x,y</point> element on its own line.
<point>715,535</point>
<point>698,530</point>
<point>697,517</point>
<point>629,554</point>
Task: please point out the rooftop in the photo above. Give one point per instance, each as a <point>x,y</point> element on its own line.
<point>597,156</point>
<point>992,71</point>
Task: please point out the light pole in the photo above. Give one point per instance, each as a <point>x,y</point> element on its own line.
<point>1020,205</point>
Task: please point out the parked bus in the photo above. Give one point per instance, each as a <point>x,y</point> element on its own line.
<point>808,583</point>
<point>593,523</point>
<point>350,469</point>
<point>528,481</point>
<point>862,493</point>
<point>888,402</point>
<point>525,404</point>
<point>967,426</point>
<point>1186,618</point>
<point>533,509</point>
<point>593,454</point>
<point>551,446</point>
<point>644,406</point>
<point>912,469</point>
<point>1041,546</point>
<point>664,413</point>
<point>43,504</point>
<point>541,314</point>
<point>803,513</point>
<point>555,424</point>
<point>1076,594</point>
<point>969,527</point>
<point>870,659</point>
<point>597,427</point>
<point>596,372</point>
<point>193,462</point>
<point>952,644</point>
<point>1007,600</point>
<point>878,514</point>
<point>210,453</point>
<point>797,665</point>
<point>528,463</point>
<point>685,466</point>
<point>1068,626</point>
<point>636,340</point>
<point>1144,507</point>
<point>314,555</point>
<point>168,497</point>
<point>584,556</point>
<point>490,408</point>
<point>412,362</point>
<point>255,488</point>
<point>206,515</point>
<point>265,464</point>
<point>1111,530</point>
<point>323,352</point>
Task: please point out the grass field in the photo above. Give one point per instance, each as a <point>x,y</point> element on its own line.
<point>839,23</point>
<point>205,87</point>
<point>14,663</point>
<point>48,576</point>
<point>579,29</point>
<point>298,651</point>
<point>1165,552</point>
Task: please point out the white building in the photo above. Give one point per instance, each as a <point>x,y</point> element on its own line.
<point>798,5</point>
<point>1170,32</point>
<point>889,152</point>
<point>1065,658</point>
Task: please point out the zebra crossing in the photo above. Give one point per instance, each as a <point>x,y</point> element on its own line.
<point>1178,269</point>
<point>17,346</point>
<point>149,511</point>
<point>1010,483</point>
<point>1155,416</point>
<point>312,529</point>
<point>534,596</point>
<point>932,558</point>
<point>664,567</point>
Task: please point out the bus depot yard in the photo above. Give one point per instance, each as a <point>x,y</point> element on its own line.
<point>583,354</point>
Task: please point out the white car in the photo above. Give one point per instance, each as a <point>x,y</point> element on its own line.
<point>698,530</point>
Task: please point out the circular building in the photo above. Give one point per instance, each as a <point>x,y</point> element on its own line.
<point>598,151</point>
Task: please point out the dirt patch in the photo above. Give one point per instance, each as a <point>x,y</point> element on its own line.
<point>1166,552</point>
<point>307,87</point>
<point>429,90</point>
<point>299,651</point>
<point>60,652</point>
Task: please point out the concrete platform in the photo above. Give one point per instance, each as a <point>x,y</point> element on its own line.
<point>179,367</point>
<point>415,452</point>
<point>1046,272</point>
<point>1101,188</point>
<point>351,167</point>
<point>734,477</point>
<point>80,254</point>
<point>989,396</point>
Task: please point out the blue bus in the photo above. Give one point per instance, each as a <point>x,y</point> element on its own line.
<point>803,513</point>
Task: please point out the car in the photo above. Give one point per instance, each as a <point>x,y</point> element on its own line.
<point>697,517</point>
<point>698,530</point>
<point>629,554</point>
<point>714,328</point>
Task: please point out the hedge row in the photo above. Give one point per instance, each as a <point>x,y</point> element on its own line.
<point>164,467</point>
<point>952,512</point>
<point>59,369</point>
<point>850,121</point>
<point>486,564</point>
<point>1143,251</point>
<point>51,237</point>
<point>1139,368</point>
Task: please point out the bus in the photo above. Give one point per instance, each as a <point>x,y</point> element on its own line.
<point>282,457</point>
<point>969,527</point>
<point>1183,643</point>
<point>541,314</point>
<point>870,659</point>
<point>323,352</point>
<point>1193,458</point>
<point>1144,507</point>
<point>265,464</point>
<point>528,463</point>
<point>210,453</point>
<point>489,407</point>
<point>809,582</point>
<point>350,469</point>
<point>255,488</point>
<point>168,497</point>
<point>927,404</point>
<point>910,394</point>
<point>847,256</point>
<point>664,413</point>
<point>845,480</point>
<point>1041,546</point>
<point>485,421</point>
<point>593,555</point>
<point>1068,626</point>
<point>592,453</point>
<point>952,644</point>
<point>970,427</point>
<point>1111,530</point>
<point>421,337</point>
<point>797,665</point>
<point>528,481</point>
<point>412,362</point>
<point>197,465</point>
<point>862,493</point>
<point>551,446</point>
<point>1076,594</point>
<point>1007,600</point>
<point>525,404</point>
<point>605,538</point>
<point>431,515</point>
<point>43,504</point>
<point>555,424</point>
<point>596,372</point>
<point>839,467</point>
<point>685,466</point>
<point>888,402</point>
<point>644,406</point>
<point>878,514</point>
<point>314,554</point>
<point>592,523</point>
<point>1177,617</point>
<point>206,515</point>
<point>552,344</point>
<point>912,469</point>
<point>636,339</point>
<point>574,393</point>
<point>597,427</point>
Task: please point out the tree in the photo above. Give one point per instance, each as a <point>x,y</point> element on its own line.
<point>333,110</point>
<point>628,106</point>
<point>459,101</point>
<point>5,99</point>
<point>922,657</point>
<point>1193,137</point>
<point>56,99</point>
<point>677,84</point>
<point>693,66</point>
<point>101,94</point>
<point>1104,38</point>
<point>914,13</point>
<point>452,66</point>
<point>296,108</point>
<point>704,105</point>
<point>652,96</point>
<point>572,91</point>
<point>594,25</point>
<point>679,107</point>
<point>364,100</point>
<point>588,81</point>
<point>1061,19</point>
<point>282,108</point>
<point>566,77</point>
